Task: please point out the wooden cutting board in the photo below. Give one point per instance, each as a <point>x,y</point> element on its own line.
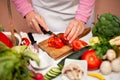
<point>58,53</point>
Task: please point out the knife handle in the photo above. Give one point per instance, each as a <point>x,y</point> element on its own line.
<point>44,31</point>
<point>31,38</point>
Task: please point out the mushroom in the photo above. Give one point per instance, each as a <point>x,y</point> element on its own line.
<point>72,71</point>
<point>116,65</point>
<point>105,67</point>
<point>110,55</point>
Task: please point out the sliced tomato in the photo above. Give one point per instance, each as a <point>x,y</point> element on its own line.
<point>78,44</point>
<point>92,59</point>
<point>51,42</point>
<point>64,39</point>
<point>58,42</point>
<point>55,42</point>
<point>5,40</point>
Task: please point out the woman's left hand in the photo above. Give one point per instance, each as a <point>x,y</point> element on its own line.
<point>74,29</point>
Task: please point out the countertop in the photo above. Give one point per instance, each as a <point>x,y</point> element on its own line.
<point>48,60</point>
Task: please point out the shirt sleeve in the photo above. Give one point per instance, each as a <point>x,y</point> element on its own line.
<point>84,10</point>
<point>23,6</point>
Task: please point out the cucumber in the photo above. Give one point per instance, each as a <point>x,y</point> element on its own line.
<point>52,73</point>
<point>73,55</point>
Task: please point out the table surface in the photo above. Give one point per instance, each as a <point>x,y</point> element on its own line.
<point>45,57</point>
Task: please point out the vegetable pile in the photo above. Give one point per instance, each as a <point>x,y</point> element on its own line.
<point>108,26</point>
<point>14,62</point>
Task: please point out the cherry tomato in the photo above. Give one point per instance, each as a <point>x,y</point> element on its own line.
<point>78,44</point>
<point>5,40</point>
<point>64,39</point>
<point>92,59</point>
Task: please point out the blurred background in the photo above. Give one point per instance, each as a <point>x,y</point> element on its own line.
<point>101,6</point>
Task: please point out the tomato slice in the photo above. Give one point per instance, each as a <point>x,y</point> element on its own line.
<point>58,42</point>
<point>64,39</point>
<point>51,42</point>
<point>78,44</point>
<point>55,42</point>
<point>92,59</point>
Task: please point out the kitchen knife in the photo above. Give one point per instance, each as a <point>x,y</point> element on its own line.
<point>47,32</point>
<point>33,42</point>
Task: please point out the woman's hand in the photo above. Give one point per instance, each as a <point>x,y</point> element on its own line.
<point>74,29</point>
<point>34,19</point>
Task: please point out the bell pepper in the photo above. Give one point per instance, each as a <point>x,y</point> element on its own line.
<point>5,40</point>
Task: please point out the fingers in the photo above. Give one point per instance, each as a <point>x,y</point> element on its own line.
<point>41,21</point>
<point>34,19</point>
<point>74,29</point>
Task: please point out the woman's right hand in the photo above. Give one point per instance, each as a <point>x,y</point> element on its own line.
<point>34,19</point>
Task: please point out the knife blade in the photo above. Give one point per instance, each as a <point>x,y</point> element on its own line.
<point>47,32</point>
<point>33,42</point>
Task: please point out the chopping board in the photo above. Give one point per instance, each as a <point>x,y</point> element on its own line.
<point>61,52</point>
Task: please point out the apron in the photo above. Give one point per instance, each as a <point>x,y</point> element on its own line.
<point>57,13</point>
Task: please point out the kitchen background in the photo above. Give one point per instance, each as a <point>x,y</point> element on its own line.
<point>101,6</point>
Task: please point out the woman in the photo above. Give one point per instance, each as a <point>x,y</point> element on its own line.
<point>68,16</point>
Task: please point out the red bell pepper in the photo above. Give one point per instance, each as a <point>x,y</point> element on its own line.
<point>5,40</point>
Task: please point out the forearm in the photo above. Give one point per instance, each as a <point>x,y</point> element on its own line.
<point>84,10</point>
<point>23,6</point>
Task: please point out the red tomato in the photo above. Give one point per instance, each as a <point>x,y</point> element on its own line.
<point>55,42</point>
<point>5,40</point>
<point>64,39</point>
<point>78,44</point>
<point>92,59</point>
<point>58,42</point>
<point>51,42</point>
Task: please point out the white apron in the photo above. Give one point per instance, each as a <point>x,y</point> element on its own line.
<point>57,13</point>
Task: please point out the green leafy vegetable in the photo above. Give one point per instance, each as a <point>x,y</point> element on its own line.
<point>14,62</point>
<point>102,46</point>
<point>108,26</point>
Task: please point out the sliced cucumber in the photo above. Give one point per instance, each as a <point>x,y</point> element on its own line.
<point>52,73</point>
<point>56,69</point>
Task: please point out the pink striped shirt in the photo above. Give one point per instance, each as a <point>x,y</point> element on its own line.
<point>83,12</point>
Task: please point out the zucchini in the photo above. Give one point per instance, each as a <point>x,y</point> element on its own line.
<point>73,55</point>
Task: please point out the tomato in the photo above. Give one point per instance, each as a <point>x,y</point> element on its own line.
<point>55,42</point>
<point>51,42</point>
<point>5,40</point>
<point>25,41</point>
<point>92,59</point>
<point>64,39</point>
<point>78,44</point>
<point>58,42</point>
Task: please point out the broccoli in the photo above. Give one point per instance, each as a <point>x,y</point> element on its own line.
<point>107,26</point>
